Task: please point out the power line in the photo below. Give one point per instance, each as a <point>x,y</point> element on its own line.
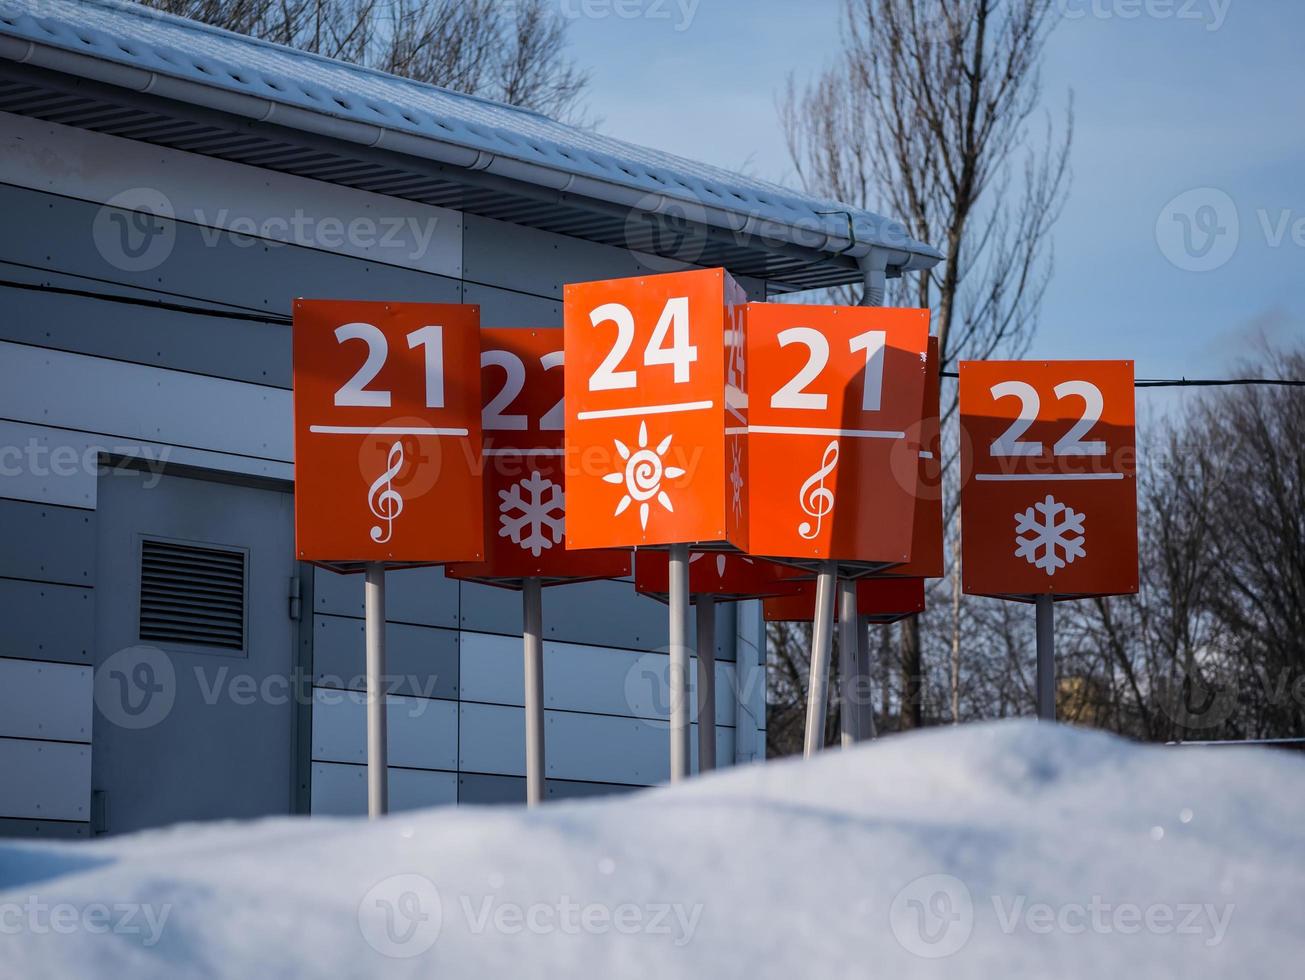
<point>1198,382</point>
<point>281,320</point>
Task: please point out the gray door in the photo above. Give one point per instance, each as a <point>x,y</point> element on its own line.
<point>194,693</point>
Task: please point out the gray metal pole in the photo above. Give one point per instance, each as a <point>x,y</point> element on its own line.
<point>865,703</point>
<point>1046,677</point>
<point>706,682</point>
<point>378,794</point>
<point>678,642</point>
<point>822,641</point>
<point>849,716</point>
<point>532,641</point>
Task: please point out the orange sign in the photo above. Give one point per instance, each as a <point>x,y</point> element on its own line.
<point>653,384</point>
<point>387,432</point>
<point>833,392</point>
<point>525,484</point>
<point>715,573</point>
<point>923,448</point>
<point>883,600</point>
<point>1049,490</point>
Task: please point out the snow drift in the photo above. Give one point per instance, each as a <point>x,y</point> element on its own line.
<point>1010,849</point>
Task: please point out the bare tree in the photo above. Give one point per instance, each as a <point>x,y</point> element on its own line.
<point>928,114</point>
<point>513,53</point>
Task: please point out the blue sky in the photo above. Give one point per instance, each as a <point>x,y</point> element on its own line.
<point>1212,99</point>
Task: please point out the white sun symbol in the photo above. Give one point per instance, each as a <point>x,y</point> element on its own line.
<point>643,474</point>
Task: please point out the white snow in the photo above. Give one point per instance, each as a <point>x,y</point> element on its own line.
<point>1023,850</point>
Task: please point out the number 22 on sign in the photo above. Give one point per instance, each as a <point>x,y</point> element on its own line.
<point>1048,494</point>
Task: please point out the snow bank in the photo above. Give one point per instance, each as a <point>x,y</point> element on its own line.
<point>996,850</point>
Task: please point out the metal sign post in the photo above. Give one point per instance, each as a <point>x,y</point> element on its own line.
<point>532,641</point>
<point>712,576</point>
<point>849,721</point>
<point>678,599</point>
<point>1049,490</point>
<point>652,397</point>
<point>525,491</point>
<point>378,793</point>
<point>822,642</point>
<point>706,612</point>
<point>378,442</point>
<point>1046,676</point>
<point>833,393</point>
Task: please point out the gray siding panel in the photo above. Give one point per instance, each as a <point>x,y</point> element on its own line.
<point>478,789</point>
<point>223,348</point>
<point>570,789</point>
<point>47,829</point>
<point>607,613</point>
<point>420,660</point>
<point>52,544</point>
<point>412,595</point>
<point>57,234</point>
<point>506,308</point>
<point>47,622</point>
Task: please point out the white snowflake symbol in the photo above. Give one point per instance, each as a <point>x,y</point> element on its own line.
<point>643,474</point>
<point>534,513</point>
<point>1049,535</point>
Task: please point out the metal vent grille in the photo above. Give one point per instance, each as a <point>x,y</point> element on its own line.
<point>192,594</point>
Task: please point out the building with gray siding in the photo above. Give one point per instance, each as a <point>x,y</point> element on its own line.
<point>167,190</point>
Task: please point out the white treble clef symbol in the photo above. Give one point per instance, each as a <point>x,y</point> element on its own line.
<point>816,500</point>
<point>384,501</point>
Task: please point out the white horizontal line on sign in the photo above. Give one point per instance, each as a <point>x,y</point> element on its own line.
<point>384,430</point>
<point>802,430</point>
<point>508,451</point>
<point>1033,477</point>
<point>612,413</point>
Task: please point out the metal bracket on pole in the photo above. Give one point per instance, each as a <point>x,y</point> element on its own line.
<point>678,643</point>
<point>1046,675</point>
<point>532,641</point>
<point>706,682</point>
<point>849,718</point>
<point>378,795</point>
<point>822,642</point>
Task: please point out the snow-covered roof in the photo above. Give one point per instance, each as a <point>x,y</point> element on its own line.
<point>133,47</point>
